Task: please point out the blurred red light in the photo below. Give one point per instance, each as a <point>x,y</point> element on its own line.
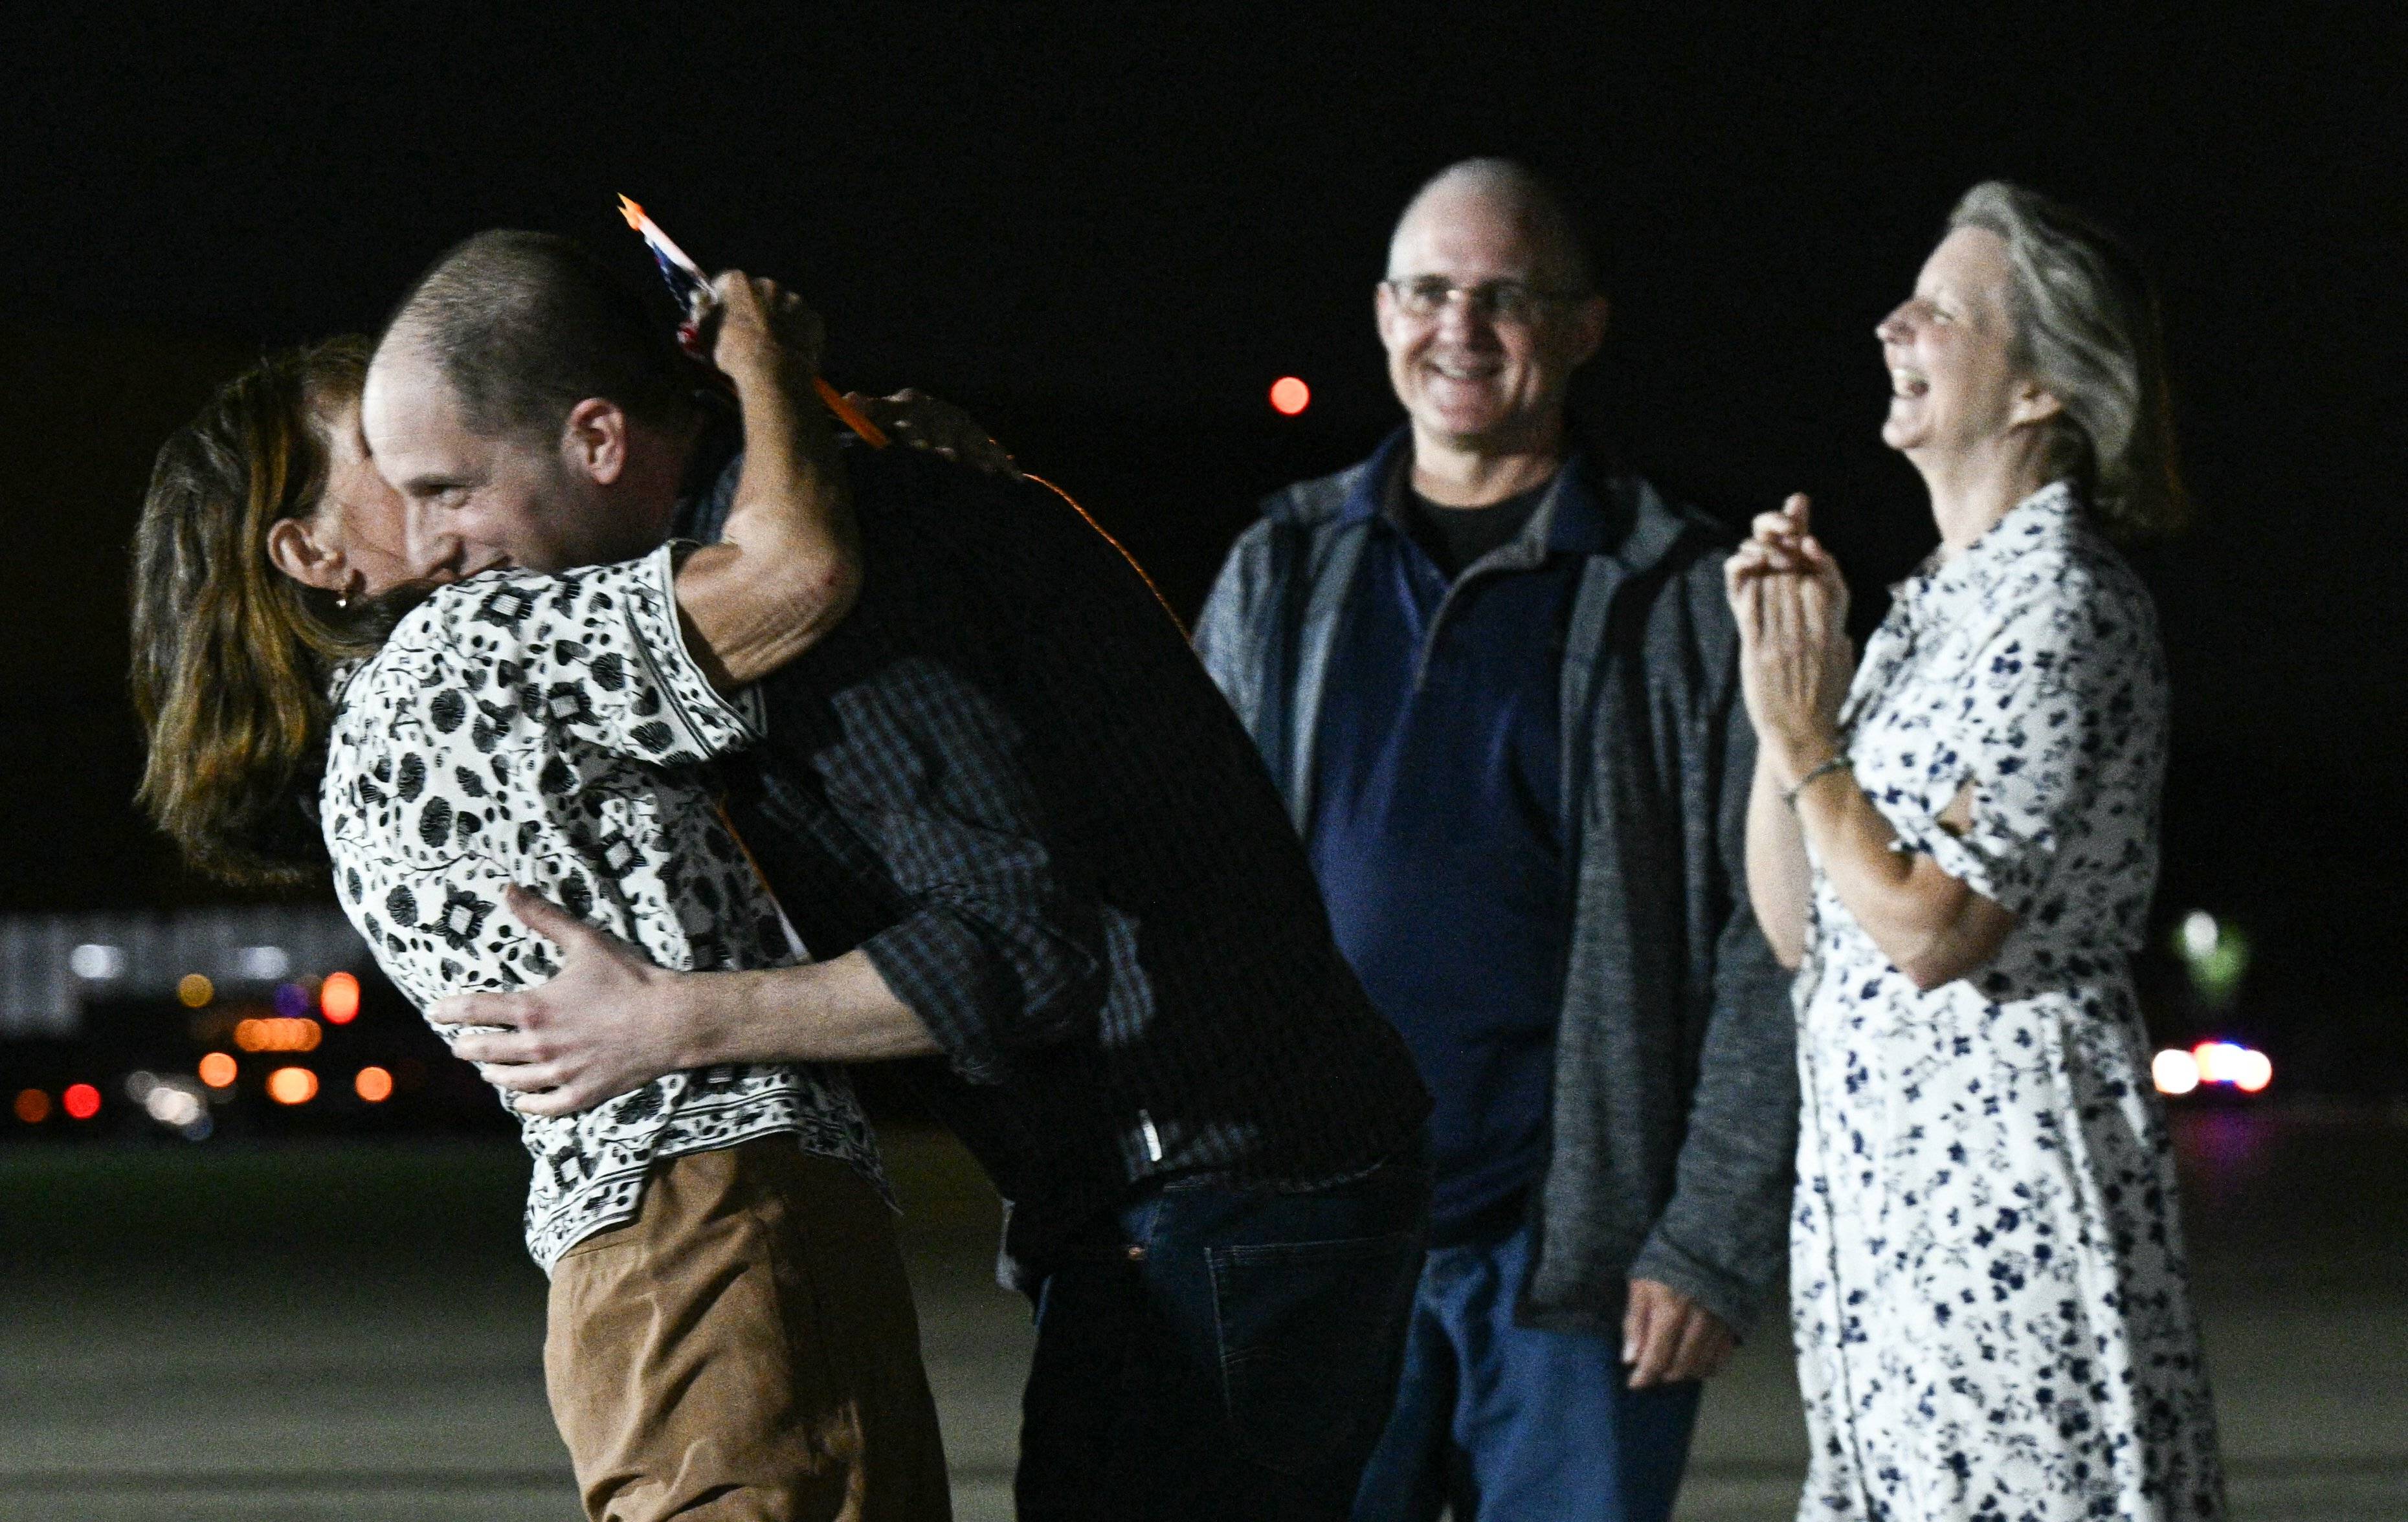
<point>81,1102</point>
<point>339,998</point>
<point>374,1084</point>
<point>1290,396</point>
<point>33,1106</point>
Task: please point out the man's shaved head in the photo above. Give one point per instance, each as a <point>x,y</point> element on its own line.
<point>529,408</point>
<point>523,326</point>
<point>1519,193</point>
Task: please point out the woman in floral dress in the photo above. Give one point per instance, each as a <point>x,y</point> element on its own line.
<point>1956,849</point>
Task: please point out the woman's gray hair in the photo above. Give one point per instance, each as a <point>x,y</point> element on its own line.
<point>2086,327</point>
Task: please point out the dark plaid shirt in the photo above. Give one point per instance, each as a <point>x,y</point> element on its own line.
<point>1008,779</point>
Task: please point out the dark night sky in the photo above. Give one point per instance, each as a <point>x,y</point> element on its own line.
<point>1108,230</point>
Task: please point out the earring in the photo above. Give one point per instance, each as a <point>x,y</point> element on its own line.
<point>343,599</point>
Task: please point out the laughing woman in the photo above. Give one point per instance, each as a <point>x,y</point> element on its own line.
<point>1956,849</point>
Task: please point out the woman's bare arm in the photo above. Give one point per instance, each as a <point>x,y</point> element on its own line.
<point>1780,881</point>
<point>1929,924</point>
<point>787,567</point>
<point>1932,926</point>
<point>1791,606</point>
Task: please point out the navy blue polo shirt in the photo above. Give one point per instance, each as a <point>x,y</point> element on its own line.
<point>1437,823</point>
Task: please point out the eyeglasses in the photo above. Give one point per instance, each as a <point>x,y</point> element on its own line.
<point>1501,301</point>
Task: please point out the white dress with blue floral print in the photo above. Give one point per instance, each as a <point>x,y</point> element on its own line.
<point>1989,1285</point>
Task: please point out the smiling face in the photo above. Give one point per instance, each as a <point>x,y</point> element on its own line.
<point>1472,379</point>
<point>474,501</point>
<point>1955,384</point>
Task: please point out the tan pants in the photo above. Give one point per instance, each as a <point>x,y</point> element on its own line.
<point>745,1351</point>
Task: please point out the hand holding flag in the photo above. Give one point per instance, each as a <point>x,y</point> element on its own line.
<point>691,289</point>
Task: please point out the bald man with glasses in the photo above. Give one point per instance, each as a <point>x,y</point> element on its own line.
<point>1497,684</point>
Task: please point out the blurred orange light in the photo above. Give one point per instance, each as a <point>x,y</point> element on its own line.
<point>217,1070</point>
<point>375,1084</point>
<point>81,1102</point>
<point>1290,396</point>
<point>339,998</point>
<point>33,1106</point>
<point>277,1033</point>
<point>293,1086</point>
<point>195,989</point>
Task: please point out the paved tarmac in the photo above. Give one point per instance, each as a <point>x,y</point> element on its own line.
<point>205,1334</point>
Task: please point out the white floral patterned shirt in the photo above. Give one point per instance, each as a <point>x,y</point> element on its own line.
<point>553,732</point>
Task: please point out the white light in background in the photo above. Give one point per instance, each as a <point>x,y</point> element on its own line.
<point>170,1105</point>
<point>93,962</point>
<point>266,963</point>
<point>2175,1071</point>
<point>176,1103</point>
<point>2219,1061</point>
<point>2253,1072</point>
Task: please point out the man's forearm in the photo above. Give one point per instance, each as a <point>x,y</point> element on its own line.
<point>838,1011</point>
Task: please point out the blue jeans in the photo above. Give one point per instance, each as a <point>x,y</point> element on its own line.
<point>1504,1421</point>
<point>1218,1353</point>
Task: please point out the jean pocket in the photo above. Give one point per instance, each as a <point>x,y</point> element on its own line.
<point>1311,1336</point>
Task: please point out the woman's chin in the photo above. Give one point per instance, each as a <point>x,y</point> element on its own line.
<point>1903,433</point>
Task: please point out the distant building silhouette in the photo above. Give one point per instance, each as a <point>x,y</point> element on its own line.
<point>52,966</point>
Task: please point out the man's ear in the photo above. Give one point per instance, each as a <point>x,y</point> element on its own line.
<point>293,548</point>
<point>1384,312</point>
<point>593,440</point>
<point>2034,403</point>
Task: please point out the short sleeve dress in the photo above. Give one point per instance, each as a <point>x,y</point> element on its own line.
<point>1990,1292</point>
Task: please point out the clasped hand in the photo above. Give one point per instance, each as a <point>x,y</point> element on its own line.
<point>1791,606</point>
<point>609,1022</point>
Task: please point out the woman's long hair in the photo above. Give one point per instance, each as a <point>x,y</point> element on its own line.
<point>232,657</point>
